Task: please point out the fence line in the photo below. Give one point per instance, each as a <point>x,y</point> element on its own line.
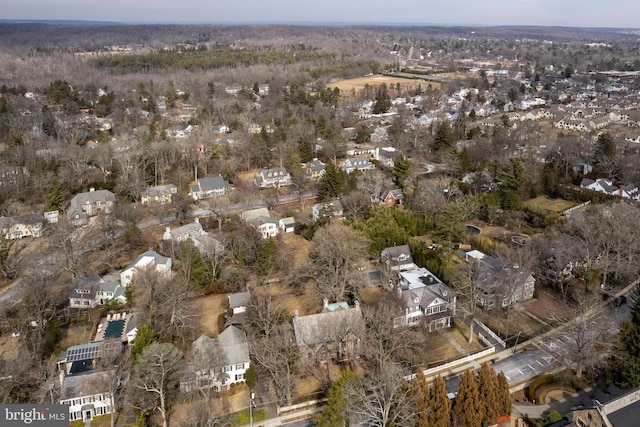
<point>490,332</point>
<point>581,205</point>
<point>467,358</point>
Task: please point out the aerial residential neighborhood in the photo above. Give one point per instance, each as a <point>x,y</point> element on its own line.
<point>328,225</point>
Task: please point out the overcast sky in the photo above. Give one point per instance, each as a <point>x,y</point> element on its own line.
<point>573,13</point>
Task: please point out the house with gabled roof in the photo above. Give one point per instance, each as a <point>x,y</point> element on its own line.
<point>274,177</point>
<point>208,187</point>
<point>397,258</point>
<point>90,203</point>
<point>320,210</point>
<point>393,197</point>
<point>315,169</point>
<point>335,333</point>
<point>159,194</point>
<point>426,300</point>
<point>148,259</point>
<point>18,227</point>
<point>263,221</point>
<point>233,343</point>
<point>207,245</point>
<point>356,163</point>
<point>89,292</point>
<point>499,284</point>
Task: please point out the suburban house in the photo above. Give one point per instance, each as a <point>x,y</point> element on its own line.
<point>356,163</point>
<point>82,387</point>
<point>160,194</point>
<point>320,210</point>
<point>208,187</point>
<point>315,169</point>
<point>206,244</point>
<point>393,197</point>
<point>426,300</point>
<point>232,342</point>
<point>148,259</point>
<point>17,227</point>
<point>181,131</point>
<point>91,203</point>
<point>86,394</point>
<point>335,333</point>
<point>386,156</point>
<point>92,291</point>
<point>499,285</point>
<point>603,185</point>
<point>397,259</point>
<point>262,220</point>
<point>274,177</point>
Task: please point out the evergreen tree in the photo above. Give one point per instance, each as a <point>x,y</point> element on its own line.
<point>383,102</point>
<point>467,410</point>
<point>144,337</point>
<point>466,165</point>
<point>334,413</point>
<point>488,392</point>
<point>400,172</point>
<point>422,401</point>
<point>56,196</point>
<point>331,183</point>
<point>440,404</point>
<point>444,139</point>
<point>200,272</point>
<point>267,256</point>
<point>504,396</point>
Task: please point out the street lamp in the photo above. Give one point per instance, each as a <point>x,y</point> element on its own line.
<point>252,404</point>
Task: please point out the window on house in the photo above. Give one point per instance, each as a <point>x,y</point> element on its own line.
<point>239,366</point>
<point>239,377</point>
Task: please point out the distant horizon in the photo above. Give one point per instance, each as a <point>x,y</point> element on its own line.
<point>301,23</point>
<point>540,13</point>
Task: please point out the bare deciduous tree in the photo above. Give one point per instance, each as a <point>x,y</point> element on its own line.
<point>335,252</point>
<point>381,399</point>
<point>278,357</point>
<point>156,376</point>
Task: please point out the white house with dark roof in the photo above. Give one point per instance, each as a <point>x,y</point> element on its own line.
<point>426,300</point>
<point>159,194</point>
<point>148,259</point>
<point>232,342</point>
<point>206,244</point>
<point>89,292</point>
<point>263,221</point>
<point>356,163</point>
<point>274,177</point>
<point>90,203</point>
<point>208,187</point>
<point>86,394</point>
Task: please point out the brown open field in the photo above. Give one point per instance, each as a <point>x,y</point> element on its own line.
<point>545,203</point>
<point>212,308</point>
<point>358,83</point>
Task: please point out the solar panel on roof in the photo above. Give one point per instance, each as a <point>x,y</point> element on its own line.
<point>84,352</point>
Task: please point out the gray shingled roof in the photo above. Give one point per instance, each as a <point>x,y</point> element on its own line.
<point>327,327</point>
<point>233,342</point>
